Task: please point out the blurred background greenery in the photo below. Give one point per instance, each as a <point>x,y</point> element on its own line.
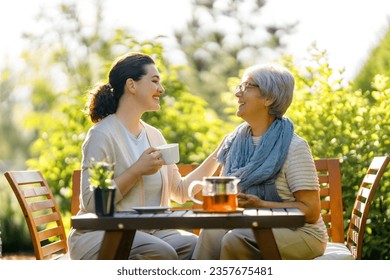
<point>45,128</point>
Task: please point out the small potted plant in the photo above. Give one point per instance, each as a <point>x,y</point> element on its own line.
<point>101,183</point>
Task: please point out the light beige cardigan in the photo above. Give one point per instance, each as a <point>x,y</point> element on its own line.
<point>108,139</point>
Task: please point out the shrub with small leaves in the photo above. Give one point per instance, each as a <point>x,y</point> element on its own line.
<point>101,174</point>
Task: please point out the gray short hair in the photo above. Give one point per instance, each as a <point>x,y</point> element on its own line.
<point>276,83</point>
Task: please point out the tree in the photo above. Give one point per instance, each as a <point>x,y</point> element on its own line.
<point>378,62</point>
<point>14,141</point>
<point>221,38</point>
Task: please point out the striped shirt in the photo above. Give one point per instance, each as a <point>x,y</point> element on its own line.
<point>299,173</point>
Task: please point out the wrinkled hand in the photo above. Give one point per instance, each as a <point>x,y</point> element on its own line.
<point>150,161</point>
<point>248,201</point>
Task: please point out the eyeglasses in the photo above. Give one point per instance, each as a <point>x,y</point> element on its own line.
<point>244,86</point>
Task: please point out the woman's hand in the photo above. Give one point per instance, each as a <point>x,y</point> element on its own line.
<point>149,162</point>
<point>248,201</point>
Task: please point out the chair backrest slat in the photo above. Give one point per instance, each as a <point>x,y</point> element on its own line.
<point>358,207</point>
<point>355,220</point>
<point>323,179</point>
<point>45,219</point>
<point>53,248</point>
<point>325,204</point>
<point>369,178</point>
<point>378,164</point>
<point>326,218</point>
<point>26,177</point>
<point>353,236</point>
<point>48,233</point>
<point>41,205</point>
<point>34,192</point>
<point>324,191</point>
<point>364,192</point>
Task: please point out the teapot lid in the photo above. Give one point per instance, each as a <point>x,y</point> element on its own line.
<point>220,179</point>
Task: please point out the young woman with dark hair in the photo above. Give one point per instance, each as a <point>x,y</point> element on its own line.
<point>141,177</point>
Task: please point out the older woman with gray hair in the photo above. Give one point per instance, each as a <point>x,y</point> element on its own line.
<point>275,167</point>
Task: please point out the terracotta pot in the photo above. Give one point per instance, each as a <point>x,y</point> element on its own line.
<point>104,201</point>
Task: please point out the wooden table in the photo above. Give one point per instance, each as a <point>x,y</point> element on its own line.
<point>120,229</point>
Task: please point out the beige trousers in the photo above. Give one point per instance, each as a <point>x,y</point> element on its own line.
<point>167,244</point>
<point>240,244</point>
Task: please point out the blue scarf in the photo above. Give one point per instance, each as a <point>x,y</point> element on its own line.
<point>257,166</point>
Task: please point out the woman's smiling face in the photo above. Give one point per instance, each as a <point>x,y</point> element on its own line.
<point>149,89</point>
<point>250,103</point>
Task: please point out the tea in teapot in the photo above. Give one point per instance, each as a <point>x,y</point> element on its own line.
<point>219,193</point>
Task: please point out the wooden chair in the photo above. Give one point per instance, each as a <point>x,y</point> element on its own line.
<point>352,248</point>
<point>329,176</point>
<point>41,213</point>
<point>76,177</point>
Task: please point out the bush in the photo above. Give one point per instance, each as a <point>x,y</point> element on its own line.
<point>350,125</point>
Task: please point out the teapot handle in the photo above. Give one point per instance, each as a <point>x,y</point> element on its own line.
<point>190,189</point>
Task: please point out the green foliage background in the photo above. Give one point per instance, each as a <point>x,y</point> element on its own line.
<point>343,123</point>
<point>336,118</point>
<point>378,62</point>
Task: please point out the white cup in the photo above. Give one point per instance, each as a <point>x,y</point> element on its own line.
<point>169,153</point>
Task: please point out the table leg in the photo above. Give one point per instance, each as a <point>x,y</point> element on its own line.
<point>116,245</point>
<point>266,241</point>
